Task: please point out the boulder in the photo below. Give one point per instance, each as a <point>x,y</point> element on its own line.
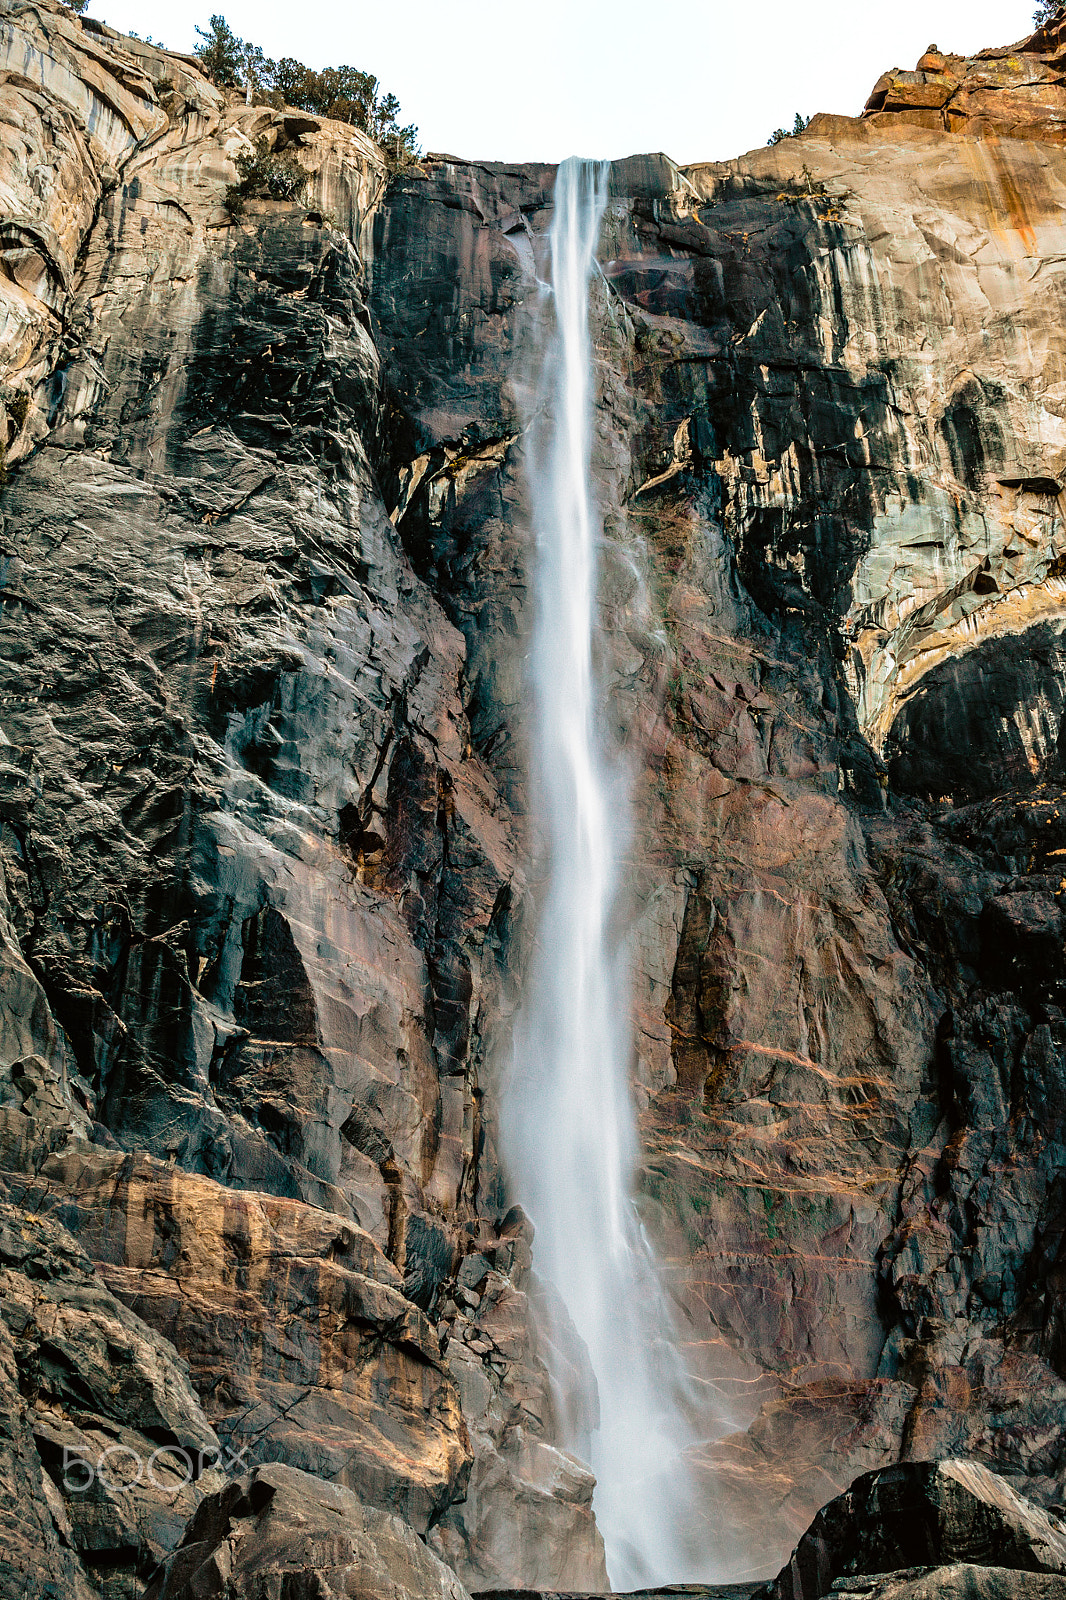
<point>281,1532</point>
<point>922,1514</point>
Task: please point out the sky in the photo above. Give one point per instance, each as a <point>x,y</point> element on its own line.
<point>701,80</point>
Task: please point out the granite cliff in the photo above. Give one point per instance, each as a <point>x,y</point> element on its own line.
<point>270,873</point>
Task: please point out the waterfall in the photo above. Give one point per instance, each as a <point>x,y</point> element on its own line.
<point>569,1124</point>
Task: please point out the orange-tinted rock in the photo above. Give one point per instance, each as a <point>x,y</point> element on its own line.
<point>105,1451</point>
<point>1013,93</point>
<point>293,1322</point>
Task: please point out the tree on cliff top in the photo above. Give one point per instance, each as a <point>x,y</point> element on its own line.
<point>230,62</point>
<point>789,133</point>
<point>343,93</point>
<point>1049,11</point>
<point>221,53</point>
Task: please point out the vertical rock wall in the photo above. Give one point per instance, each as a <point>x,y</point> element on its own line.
<point>830,457</point>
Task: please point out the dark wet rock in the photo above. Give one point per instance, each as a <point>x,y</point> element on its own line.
<point>429,1254</point>
<point>1022,934</point>
<point>959,734</point>
<point>473,1271</point>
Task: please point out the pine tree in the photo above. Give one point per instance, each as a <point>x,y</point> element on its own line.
<point>798,126</point>
<point>222,54</point>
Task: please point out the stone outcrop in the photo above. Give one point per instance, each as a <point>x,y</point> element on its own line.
<point>958,1582</point>
<point>279,1531</point>
<point>527,1510</point>
<point>270,880</point>
<point>1017,92</point>
<point>294,1323</point>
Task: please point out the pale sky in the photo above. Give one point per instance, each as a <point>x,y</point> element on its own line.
<point>699,79</point>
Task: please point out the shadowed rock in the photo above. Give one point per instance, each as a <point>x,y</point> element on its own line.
<point>921,1515</point>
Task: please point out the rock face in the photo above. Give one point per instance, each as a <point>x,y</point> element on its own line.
<point>294,1323</point>
<point>958,1582</point>
<point>842,995</point>
<point>105,1451</point>
<point>270,876</point>
<point>253,1087</point>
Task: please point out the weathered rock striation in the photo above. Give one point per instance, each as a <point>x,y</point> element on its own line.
<point>89,1394</point>
<point>270,873</point>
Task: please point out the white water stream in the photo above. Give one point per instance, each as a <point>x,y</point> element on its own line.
<point>569,1123</point>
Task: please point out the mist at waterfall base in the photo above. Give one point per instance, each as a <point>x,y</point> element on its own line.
<point>569,1127</point>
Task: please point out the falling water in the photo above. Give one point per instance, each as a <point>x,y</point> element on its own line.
<point>570,1128</point>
